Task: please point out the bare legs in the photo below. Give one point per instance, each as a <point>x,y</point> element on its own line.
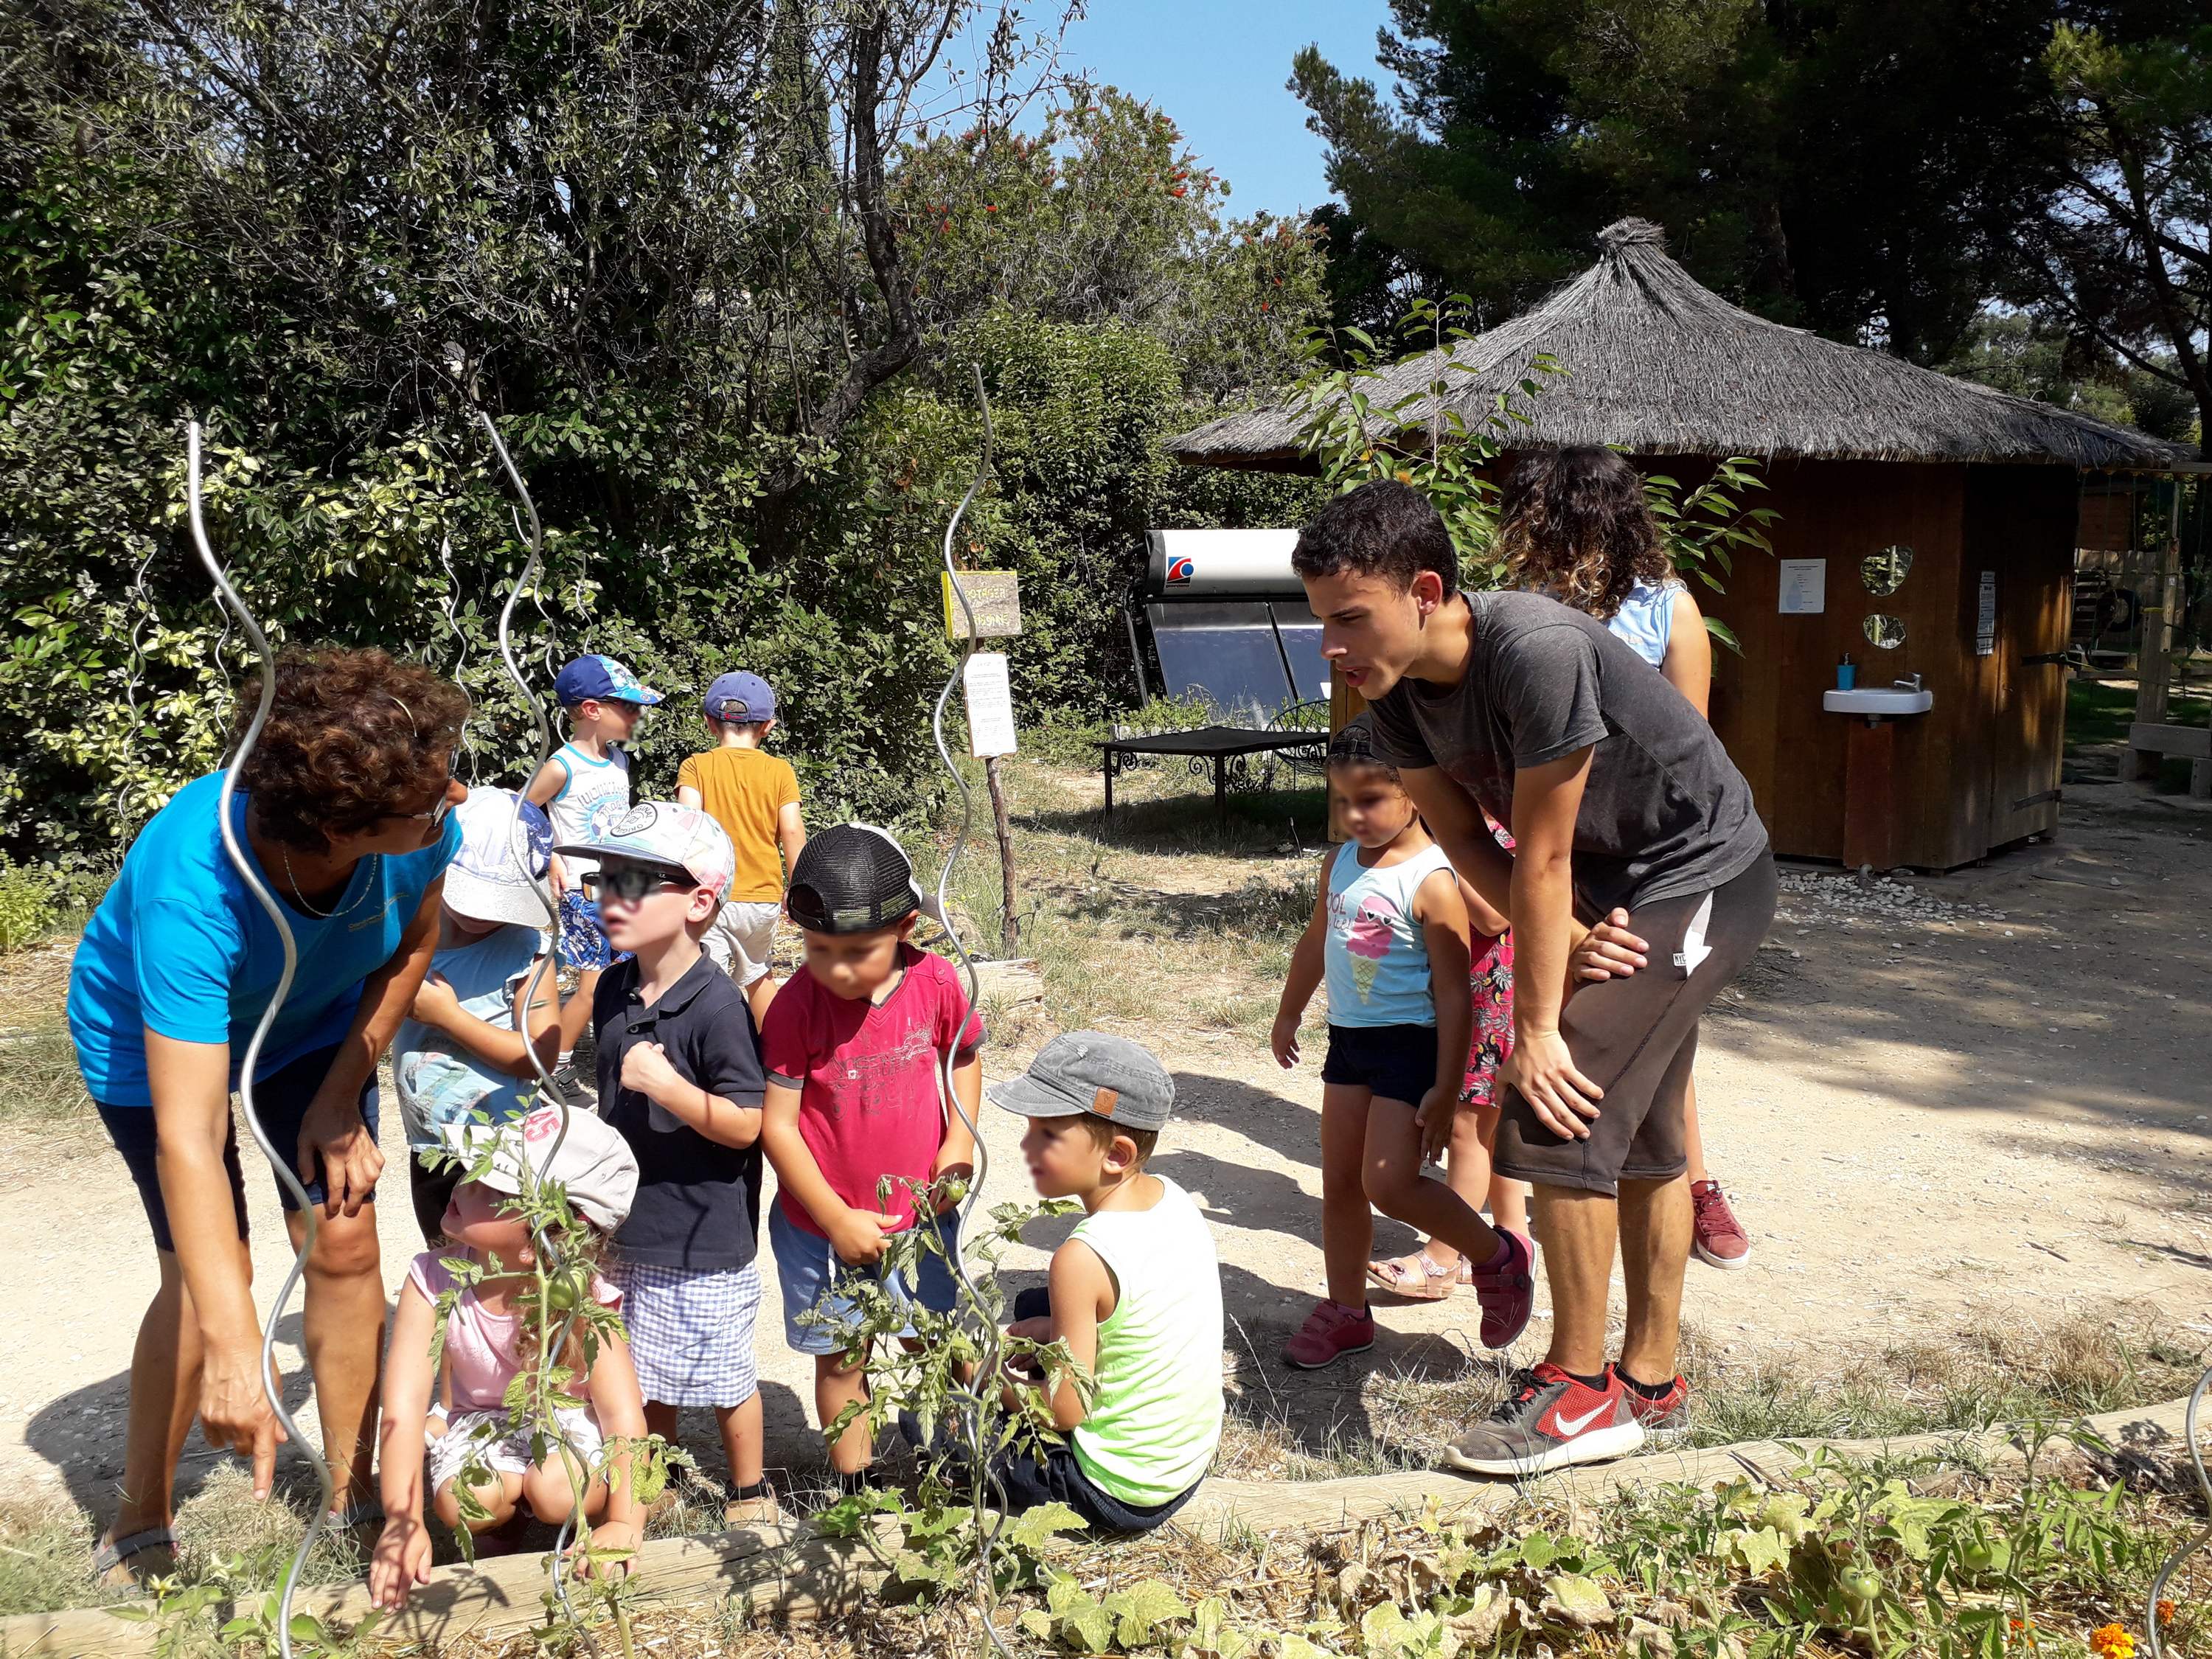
<point>165,1397</point>
<point>1371,1154</point>
<point>1650,1224</point>
<point>740,1429</point>
<point>342,1327</point>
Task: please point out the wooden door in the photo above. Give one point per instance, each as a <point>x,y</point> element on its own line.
<point>2022,523</point>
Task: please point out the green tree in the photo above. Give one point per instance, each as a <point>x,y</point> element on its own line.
<point>1853,166</point>
<point>2122,253</point>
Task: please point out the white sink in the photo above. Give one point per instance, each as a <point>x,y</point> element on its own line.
<point>1878,699</point>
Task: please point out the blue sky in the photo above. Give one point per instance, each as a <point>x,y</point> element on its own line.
<point>1219,68</point>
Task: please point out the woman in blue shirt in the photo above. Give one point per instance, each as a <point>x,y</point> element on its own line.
<point>344,806</point>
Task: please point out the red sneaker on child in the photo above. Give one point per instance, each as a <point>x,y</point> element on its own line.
<point>1719,1238</point>
<point>1507,1290</point>
<point>1331,1331</point>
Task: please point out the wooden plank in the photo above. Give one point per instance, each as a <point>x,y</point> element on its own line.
<point>2154,661</point>
<point>2187,742</point>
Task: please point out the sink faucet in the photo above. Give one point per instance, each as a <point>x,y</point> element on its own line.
<point>1910,682</point>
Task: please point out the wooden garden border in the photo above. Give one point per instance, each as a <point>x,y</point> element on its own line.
<point>786,1572</point>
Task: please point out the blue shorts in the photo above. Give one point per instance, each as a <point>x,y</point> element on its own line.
<point>810,1273</point>
<point>281,1098</point>
<point>583,943</point>
<point>1395,1062</point>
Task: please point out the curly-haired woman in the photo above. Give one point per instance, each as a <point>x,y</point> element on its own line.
<point>1576,525</point>
<point>344,808</point>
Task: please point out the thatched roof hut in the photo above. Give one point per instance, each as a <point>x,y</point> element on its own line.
<point>1660,365</point>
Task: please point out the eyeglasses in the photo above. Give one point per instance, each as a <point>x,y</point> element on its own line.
<point>632,881</point>
<point>436,816</point>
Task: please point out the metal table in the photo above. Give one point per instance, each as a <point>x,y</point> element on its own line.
<point>1219,744</point>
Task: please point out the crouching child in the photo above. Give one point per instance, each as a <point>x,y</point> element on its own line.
<point>450,1399</point>
<point>1135,1293</point>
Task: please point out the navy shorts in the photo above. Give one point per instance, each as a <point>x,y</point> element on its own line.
<point>283,1098</point>
<point>1397,1062</point>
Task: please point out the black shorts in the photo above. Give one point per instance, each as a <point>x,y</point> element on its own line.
<point>1396,1062</point>
<point>283,1098</point>
<point>1637,1039</point>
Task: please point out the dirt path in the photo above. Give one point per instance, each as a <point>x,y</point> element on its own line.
<point>1991,1088</point>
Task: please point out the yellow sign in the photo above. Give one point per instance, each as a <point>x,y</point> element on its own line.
<point>996,597</point>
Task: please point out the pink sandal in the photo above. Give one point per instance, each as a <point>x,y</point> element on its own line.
<point>1418,1277</point>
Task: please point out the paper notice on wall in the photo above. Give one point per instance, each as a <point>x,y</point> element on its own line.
<point>1986,616</point>
<point>1804,587</point>
<point>990,696</point>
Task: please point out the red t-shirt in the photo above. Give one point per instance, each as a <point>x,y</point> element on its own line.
<point>868,1077</point>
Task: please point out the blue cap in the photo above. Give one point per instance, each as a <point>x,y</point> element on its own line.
<point>740,698</point>
<point>602,678</point>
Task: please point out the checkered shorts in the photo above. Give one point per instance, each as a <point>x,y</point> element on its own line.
<point>690,1333</point>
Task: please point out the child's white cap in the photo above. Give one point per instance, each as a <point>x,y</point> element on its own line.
<point>594,1163</point>
<point>506,844</point>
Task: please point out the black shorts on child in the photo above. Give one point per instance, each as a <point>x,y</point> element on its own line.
<point>1397,1062</point>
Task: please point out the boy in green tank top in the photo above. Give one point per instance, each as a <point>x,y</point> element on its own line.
<point>1135,1293</point>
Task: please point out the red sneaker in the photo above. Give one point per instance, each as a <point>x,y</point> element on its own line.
<point>1718,1238</point>
<point>1507,1293</point>
<point>1331,1331</point>
<point>1549,1422</point>
<point>1668,1414</point>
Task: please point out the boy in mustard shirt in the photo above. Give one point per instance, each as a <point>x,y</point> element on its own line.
<point>754,796</point>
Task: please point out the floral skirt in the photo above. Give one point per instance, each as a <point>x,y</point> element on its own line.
<point>1490,981</point>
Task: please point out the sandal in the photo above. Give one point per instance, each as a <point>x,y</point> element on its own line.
<point>111,1557</point>
<point>752,1507</point>
<point>1418,1277</point>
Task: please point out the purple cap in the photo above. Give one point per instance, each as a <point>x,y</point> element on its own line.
<point>740,698</point>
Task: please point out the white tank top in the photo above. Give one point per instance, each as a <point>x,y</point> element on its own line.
<point>593,795</point>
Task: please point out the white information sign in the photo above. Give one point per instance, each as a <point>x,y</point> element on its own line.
<point>1804,587</point>
<point>990,696</point>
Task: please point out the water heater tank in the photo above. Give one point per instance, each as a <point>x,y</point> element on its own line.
<point>1191,564</point>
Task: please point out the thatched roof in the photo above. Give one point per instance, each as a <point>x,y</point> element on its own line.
<point>1660,365</point>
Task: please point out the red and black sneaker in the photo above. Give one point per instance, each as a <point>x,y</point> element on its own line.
<point>1550,1421</point>
<point>1665,1414</point>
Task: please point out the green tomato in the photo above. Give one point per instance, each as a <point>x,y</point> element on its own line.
<point>563,1293</point>
<point>1978,1557</point>
<point>1860,1585</point>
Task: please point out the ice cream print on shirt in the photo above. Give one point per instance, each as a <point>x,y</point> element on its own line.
<point>1368,936</point>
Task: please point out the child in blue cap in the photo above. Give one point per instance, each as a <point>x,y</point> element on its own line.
<point>584,788</point>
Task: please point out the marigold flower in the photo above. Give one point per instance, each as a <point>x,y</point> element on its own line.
<point>2112,1641</point>
<point>2165,1613</point>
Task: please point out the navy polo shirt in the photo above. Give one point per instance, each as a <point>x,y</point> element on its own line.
<point>698,1201</point>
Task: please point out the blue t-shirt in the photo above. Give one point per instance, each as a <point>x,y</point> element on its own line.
<point>438,1080</point>
<point>180,945</point>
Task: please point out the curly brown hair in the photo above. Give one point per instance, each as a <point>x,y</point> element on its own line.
<point>1574,524</point>
<point>353,737</point>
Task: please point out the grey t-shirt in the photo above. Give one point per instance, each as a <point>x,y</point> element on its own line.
<point>1664,813</point>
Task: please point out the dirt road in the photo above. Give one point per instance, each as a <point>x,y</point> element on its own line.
<point>1988,1089</point>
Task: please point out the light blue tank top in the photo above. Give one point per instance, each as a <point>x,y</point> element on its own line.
<point>1377,965</point>
<point>1646,618</point>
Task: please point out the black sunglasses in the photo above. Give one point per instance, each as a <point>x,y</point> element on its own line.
<point>632,881</point>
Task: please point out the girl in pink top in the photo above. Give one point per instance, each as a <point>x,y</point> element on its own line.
<point>456,1410</point>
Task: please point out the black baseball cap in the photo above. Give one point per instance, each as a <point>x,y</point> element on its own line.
<point>853,879</point>
<point>1106,1076</point>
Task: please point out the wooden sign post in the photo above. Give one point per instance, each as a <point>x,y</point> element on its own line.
<point>994,596</point>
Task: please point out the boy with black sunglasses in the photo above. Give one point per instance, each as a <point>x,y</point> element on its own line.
<point>680,1078</point>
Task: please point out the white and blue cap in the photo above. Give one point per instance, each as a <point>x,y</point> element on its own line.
<point>740,698</point>
<point>1094,1074</point>
<point>506,844</point>
<point>602,677</point>
<point>661,832</point>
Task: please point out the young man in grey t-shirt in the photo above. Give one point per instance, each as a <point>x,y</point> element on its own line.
<point>1619,796</point>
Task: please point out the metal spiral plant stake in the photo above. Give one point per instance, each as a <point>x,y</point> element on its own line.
<point>451,606</point>
<point>2204,1487</point>
<point>143,599</point>
<point>549,1087</point>
<point>285,1174</point>
<point>988,1339</point>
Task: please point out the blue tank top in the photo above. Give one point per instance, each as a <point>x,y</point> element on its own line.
<point>1646,618</point>
<point>1377,964</point>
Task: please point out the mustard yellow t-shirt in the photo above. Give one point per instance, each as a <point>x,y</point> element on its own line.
<point>744,791</point>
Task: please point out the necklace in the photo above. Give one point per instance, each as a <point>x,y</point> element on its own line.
<point>300,898</point>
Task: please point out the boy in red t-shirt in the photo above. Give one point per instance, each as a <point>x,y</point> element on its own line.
<point>853,1047</point>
